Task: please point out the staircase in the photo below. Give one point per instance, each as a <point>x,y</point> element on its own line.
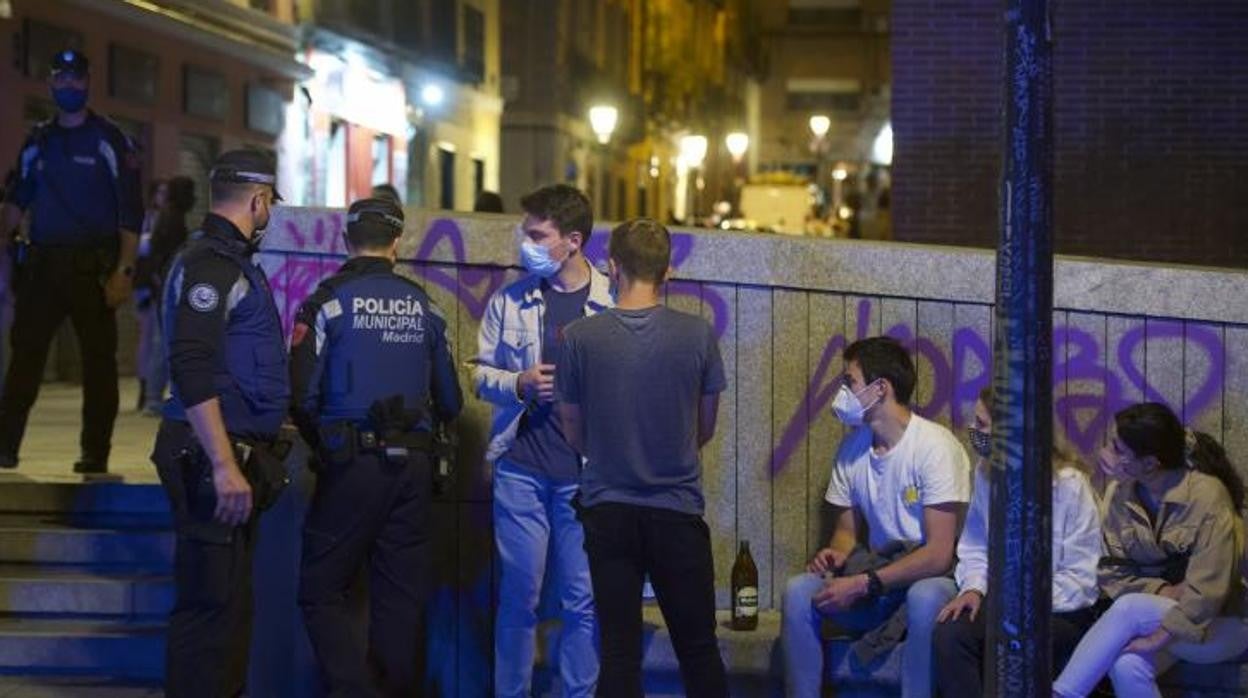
<point>85,580</point>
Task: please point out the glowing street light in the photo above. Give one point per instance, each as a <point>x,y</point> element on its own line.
<point>602,120</point>
<point>737,143</point>
<point>432,94</point>
<point>693,150</point>
<point>819,125</point>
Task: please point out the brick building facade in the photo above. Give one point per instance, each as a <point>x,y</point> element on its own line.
<point>1151,126</point>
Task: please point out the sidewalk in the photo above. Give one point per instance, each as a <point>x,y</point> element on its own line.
<point>51,444</point>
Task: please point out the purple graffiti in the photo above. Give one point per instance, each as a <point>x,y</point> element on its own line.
<point>1086,392</point>
<point>472,286</point>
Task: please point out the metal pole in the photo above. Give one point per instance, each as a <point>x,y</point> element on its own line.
<point>1020,540</point>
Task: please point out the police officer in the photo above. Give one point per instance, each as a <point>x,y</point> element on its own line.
<point>78,175</point>
<point>214,451</point>
<point>371,371</point>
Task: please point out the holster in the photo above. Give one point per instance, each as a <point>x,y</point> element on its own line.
<point>264,466</point>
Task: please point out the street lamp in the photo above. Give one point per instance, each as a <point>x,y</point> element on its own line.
<point>737,143</point>
<point>819,125</point>
<point>602,120</point>
<point>693,152</point>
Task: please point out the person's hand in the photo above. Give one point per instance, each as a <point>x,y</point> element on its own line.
<point>537,383</point>
<point>1149,644</point>
<point>826,560</point>
<point>840,593</point>
<point>233,495</point>
<point>968,601</point>
<point>117,289</point>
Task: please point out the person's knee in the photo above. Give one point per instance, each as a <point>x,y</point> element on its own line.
<point>925,598</point>
<point>799,590</point>
<point>1134,606</point>
<point>1130,670</point>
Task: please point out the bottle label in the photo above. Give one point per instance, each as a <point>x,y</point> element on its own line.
<point>746,603</point>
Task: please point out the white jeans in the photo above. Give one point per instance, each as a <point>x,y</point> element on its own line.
<point>1134,615</point>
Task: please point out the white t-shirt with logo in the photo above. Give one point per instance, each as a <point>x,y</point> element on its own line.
<point>927,467</point>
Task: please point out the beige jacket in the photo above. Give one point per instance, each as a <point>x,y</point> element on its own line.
<point>1196,540</point>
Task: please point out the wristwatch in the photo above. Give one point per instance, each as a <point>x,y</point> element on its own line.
<point>875,586</point>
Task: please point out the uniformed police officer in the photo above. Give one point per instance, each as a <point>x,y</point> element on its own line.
<point>231,392</point>
<point>78,175</point>
<point>371,371</point>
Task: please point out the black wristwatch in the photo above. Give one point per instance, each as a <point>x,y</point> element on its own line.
<point>875,586</point>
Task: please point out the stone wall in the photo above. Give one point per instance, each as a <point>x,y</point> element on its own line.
<point>784,308</point>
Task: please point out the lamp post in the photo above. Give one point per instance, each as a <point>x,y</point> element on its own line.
<point>693,152</point>
<point>602,120</point>
<point>820,124</point>
<point>737,143</point>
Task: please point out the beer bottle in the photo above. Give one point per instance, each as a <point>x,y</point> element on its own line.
<point>744,590</point>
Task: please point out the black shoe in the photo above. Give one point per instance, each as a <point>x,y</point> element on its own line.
<point>91,467</point>
<point>7,461</point>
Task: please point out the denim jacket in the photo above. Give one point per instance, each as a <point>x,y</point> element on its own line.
<point>509,342</point>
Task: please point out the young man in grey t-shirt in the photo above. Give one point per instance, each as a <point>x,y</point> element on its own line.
<point>639,390</point>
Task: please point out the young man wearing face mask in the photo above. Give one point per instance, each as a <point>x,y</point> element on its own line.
<point>78,176</point>
<point>897,480</point>
<point>535,470</point>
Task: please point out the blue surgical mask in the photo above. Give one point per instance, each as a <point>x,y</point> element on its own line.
<point>536,258</point>
<point>70,99</point>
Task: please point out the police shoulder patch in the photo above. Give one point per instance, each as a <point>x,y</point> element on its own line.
<point>203,297</point>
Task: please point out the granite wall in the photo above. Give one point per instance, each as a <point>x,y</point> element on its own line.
<point>784,308</point>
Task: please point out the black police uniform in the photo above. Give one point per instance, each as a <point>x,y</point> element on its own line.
<point>369,351</point>
<point>81,186</point>
<point>223,339</point>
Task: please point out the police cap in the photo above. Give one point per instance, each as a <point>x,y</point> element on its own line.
<point>380,215</point>
<point>246,167</point>
<point>70,61</point>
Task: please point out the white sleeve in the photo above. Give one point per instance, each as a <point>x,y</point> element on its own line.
<point>1075,562</point>
<point>838,493</point>
<point>946,472</point>
<point>972,570</point>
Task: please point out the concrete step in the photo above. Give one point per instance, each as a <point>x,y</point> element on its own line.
<point>52,541</point>
<point>120,650</point>
<point>76,687</point>
<point>20,495</point>
<point>40,590</point>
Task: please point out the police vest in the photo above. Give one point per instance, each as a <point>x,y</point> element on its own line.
<point>253,381</point>
<point>79,196</point>
<point>379,343</point>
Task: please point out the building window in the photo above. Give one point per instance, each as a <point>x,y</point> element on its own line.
<point>444,31</point>
<point>336,166</point>
<point>446,173</point>
<point>838,13</point>
<point>474,44</point>
<point>381,159</point>
<point>266,110</point>
<point>132,74</point>
<point>204,93</point>
<point>478,177</point>
<point>265,6</point>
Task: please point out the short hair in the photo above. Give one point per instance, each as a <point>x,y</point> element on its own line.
<point>565,206</point>
<point>181,195</point>
<point>488,202</point>
<point>227,192</point>
<point>643,249</point>
<point>387,190</point>
<point>884,357</point>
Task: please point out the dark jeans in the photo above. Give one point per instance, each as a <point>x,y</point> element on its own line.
<point>209,633</point>
<point>52,286</point>
<point>624,544</point>
<point>375,513</point>
<point>958,649</point>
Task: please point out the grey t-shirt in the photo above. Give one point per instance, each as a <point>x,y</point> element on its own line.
<point>638,376</point>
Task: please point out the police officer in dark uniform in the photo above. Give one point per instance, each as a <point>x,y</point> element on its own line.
<point>215,450</point>
<point>371,372</point>
<point>78,175</point>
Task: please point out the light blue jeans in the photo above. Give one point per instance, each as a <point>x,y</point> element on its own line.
<point>803,642</point>
<point>533,518</point>
<point>1132,615</point>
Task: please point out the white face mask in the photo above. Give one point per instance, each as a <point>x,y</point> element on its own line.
<point>536,258</point>
<point>848,408</point>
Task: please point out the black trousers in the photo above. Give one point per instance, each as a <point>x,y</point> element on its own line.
<point>958,649</point>
<point>55,284</point>
<point>624,544</point>
<point>374,513</point>
<point>209,635</point>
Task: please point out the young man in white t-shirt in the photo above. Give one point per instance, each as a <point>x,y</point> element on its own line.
<point>897,479</point>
